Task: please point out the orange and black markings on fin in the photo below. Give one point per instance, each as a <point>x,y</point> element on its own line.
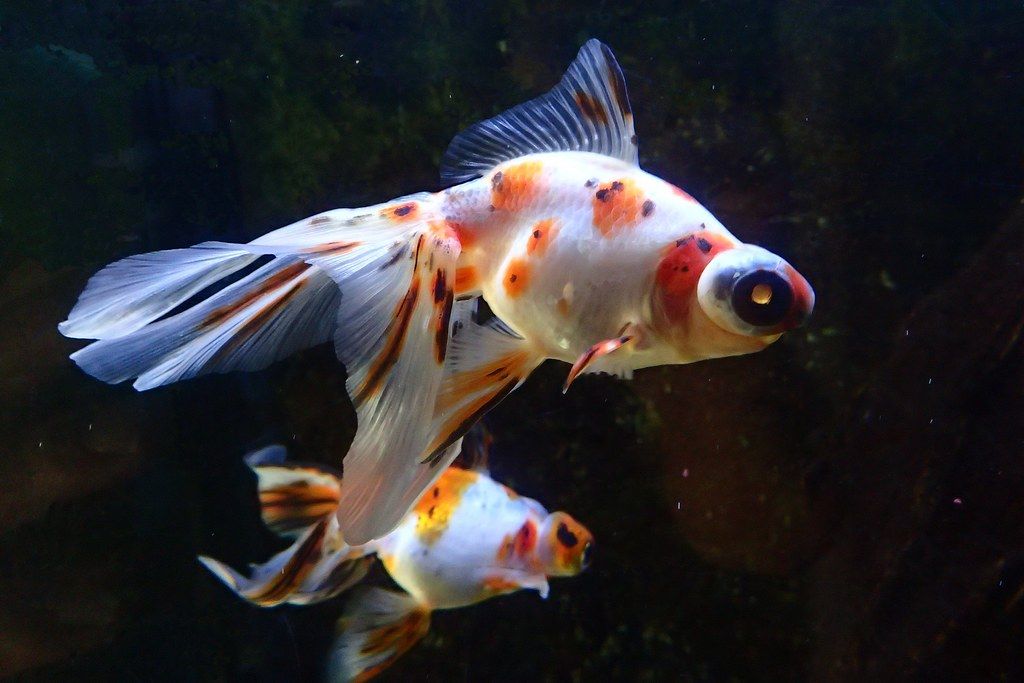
<point>516,187</point>
<point>434,510</point>
<point>404,212</point>
<point>332,248</point>
<point>618,204</point>
<point>297,504</point>
<point>601,348</point>
<point>393,640</point>
<point>541,236</point>
<point>289,579</point>
<point>289,287</point>
<point>590,107</point>
<point>444,298</point>
<point>282,278</point>
<point>395,335</point>
<point>467,395</point>
<point>460,423</point>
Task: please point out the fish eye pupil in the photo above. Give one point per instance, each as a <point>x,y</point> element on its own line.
<point>762,298</point>
<point>761,294</point>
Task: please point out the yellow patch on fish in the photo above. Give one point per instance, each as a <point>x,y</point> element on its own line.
<point>436,507</point>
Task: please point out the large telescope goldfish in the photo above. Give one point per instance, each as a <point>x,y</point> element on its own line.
<point>582,257</point>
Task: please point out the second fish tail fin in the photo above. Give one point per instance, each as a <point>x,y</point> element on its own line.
<point>155,320</point>
<point>275,581</point>
<point>292,496</point>
<point>377,627</point>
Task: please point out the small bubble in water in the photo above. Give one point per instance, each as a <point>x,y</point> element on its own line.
<point>958,501</point>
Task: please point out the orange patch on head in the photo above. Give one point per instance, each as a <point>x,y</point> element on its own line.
<point>618,204</point>
<point>680,268</point>
<point>401,213</point>
<point>516,186</point>
<point>516,278</point>
<point>434,510</point>
<point>466,280</point>
<point>541,235</point>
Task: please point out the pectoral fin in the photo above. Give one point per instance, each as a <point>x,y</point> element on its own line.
<point>499,581</point>
<point>628,337</point>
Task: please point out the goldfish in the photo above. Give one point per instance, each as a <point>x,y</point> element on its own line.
<point>547,219</point>
<point>468,539</point>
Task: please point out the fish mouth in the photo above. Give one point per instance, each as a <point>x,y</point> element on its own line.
<point>803,300</point>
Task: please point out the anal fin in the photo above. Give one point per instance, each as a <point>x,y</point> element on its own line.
<point>377,627</point>
<point>487,361</point>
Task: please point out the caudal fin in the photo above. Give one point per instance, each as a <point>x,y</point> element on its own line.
<point>292,497</point>
<point>135,291</point>
<point>377,627</point>
<point>287,304</point>
<point>273,582</point>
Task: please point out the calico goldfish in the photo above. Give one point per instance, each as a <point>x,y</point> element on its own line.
<point>467,539</point>
<point>580,255</point>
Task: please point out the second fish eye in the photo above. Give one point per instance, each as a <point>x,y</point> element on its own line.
<point>587,552</point>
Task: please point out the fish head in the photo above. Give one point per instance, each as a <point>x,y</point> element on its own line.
<point>566,545</point>
<point>714,297</point>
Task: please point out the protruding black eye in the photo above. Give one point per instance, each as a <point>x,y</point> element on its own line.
<point>762,298</point>
<point>588,550</point>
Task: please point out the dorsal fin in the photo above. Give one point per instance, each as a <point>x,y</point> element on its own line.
<point>588,111</point>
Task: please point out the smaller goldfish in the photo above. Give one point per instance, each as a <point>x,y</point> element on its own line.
<point>468,539</point>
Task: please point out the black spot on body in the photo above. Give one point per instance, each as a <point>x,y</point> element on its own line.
<point>703,245</point>
<point>648,208</point>
<point>602,195</point>
<point>403,210</point>
<point>496,180</point>
<point>536,234</point>
<point>513,277</point>
<point>430,512</point>
<point>632,138</point>
<point>566,537</point>
<point>617,186</point>
<point>590,183</point>
<point>437,491</point>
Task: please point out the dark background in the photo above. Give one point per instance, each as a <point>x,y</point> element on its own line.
<point>846,504</point>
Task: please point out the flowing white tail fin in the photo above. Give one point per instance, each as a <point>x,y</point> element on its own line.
<point>377,628</point>
<point>379,279</point>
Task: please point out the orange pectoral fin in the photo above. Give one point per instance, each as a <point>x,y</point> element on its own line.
<point>630,335</point>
